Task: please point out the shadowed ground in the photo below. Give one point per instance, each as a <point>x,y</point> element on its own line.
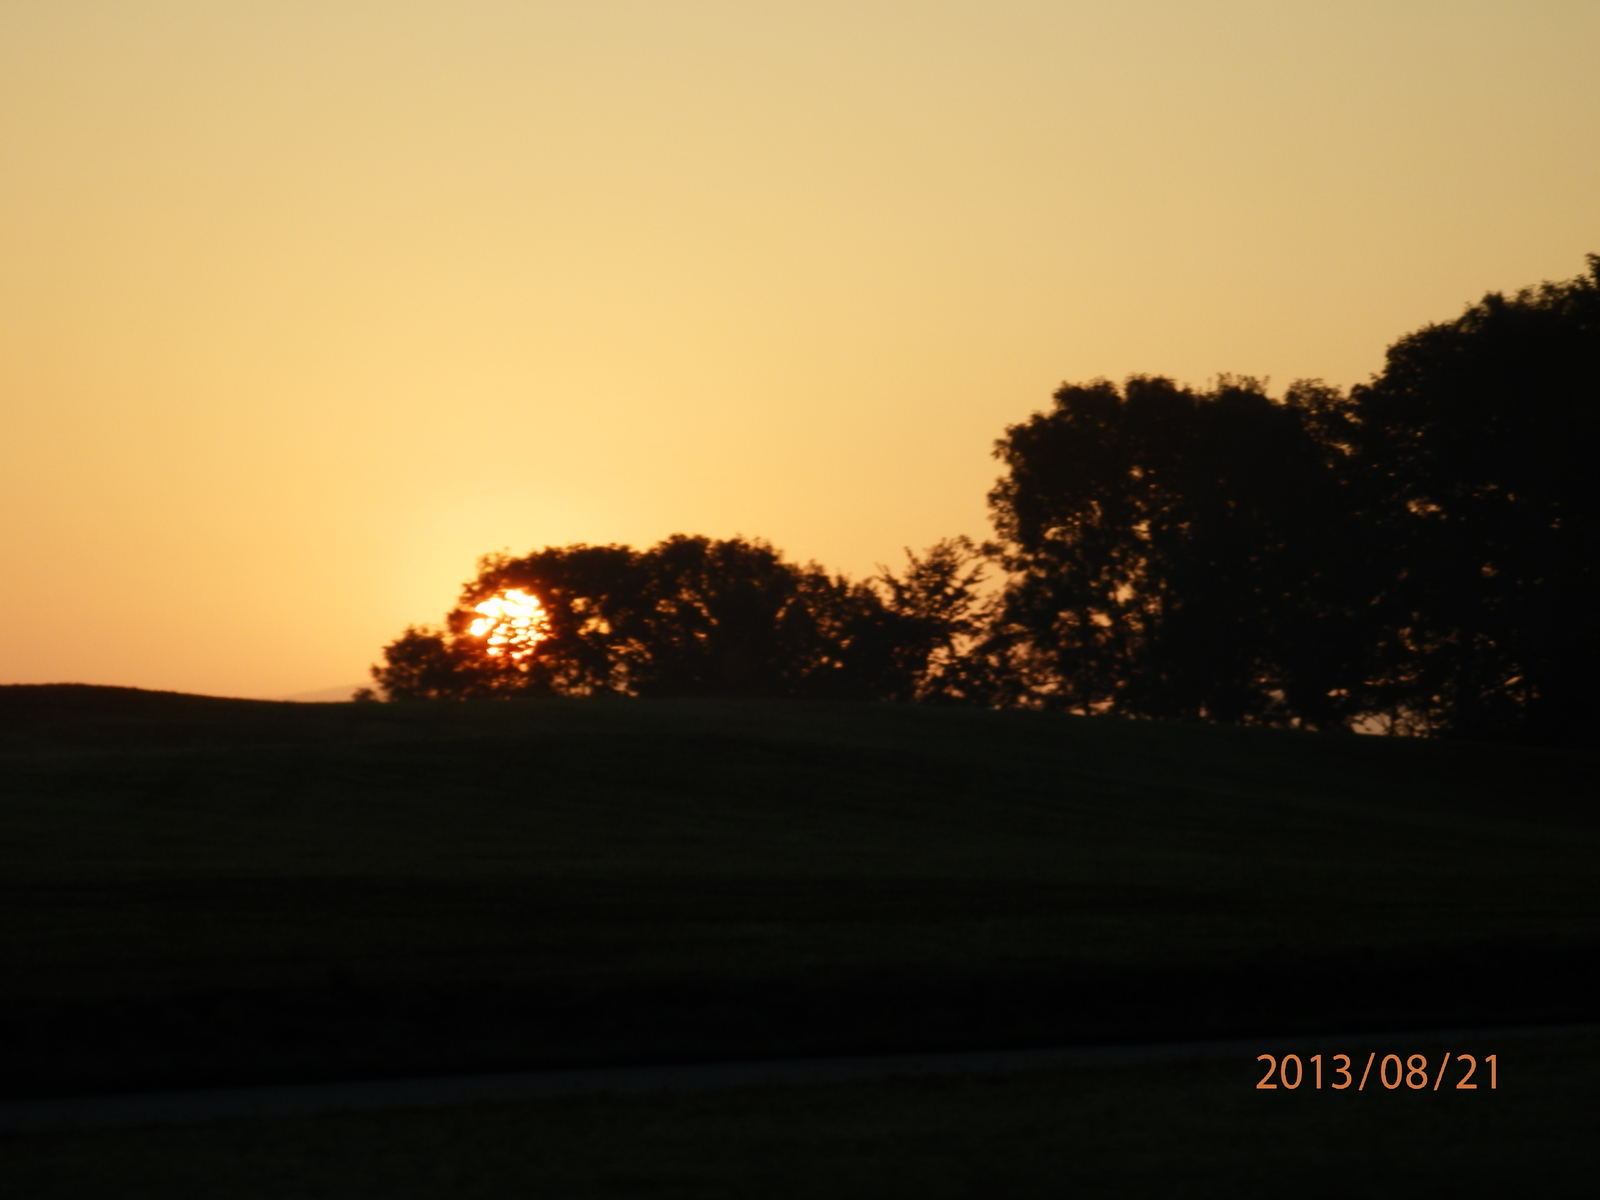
<point>203,892</point>
<point>1192,1130</point>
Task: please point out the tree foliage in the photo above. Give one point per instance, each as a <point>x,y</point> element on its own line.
<point>1177,553</point>
<point>696,617</point>
<point>1476,450</point>
<point>1420,553</point>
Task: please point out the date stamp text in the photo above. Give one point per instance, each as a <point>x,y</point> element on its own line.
<point>1463,1071</point>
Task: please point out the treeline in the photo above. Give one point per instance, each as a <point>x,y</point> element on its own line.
<point>1416,555</point>
<point>697,617</point>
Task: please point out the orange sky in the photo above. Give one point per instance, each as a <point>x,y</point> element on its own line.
<point>304,306</point>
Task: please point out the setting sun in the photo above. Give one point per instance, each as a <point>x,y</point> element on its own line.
<point>512,622</point>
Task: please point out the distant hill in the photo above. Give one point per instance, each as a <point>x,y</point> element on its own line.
<point>209,891</point>
<point>328,695</point>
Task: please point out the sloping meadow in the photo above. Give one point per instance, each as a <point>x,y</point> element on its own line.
<point>203,891</point>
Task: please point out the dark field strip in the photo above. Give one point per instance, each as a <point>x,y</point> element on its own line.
<point>152,1108</point>
<point>1197,1128</point>
<point>198,892</point>
<point>341,1031</point>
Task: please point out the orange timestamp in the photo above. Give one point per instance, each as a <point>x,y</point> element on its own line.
<point>1411,1072</point>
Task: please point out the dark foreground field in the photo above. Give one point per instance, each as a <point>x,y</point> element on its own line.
<point>206,892</point>
<point>203,892</point>
<point>1196,1130</point>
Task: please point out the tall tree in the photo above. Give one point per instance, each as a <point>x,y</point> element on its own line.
<point>1422,552</point>
<point>1177,553</point>
<point>1477,452</point>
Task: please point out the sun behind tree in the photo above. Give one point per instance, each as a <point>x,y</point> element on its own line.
<point>511,623</point>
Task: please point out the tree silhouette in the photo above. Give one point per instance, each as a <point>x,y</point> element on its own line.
<point>1421,553</point>
<point>1476,450</point>
<point>944,619</point>
<point>696,617</point>
<point>1178,554</point>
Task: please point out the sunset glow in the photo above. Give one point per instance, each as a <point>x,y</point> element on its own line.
<point>512,622</point>
<point>782,269</point>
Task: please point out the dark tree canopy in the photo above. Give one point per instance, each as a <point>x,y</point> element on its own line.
<point>1477,448</point>
<point>696,617</point>
<point>1177,553</point>
<point>1421,553</point>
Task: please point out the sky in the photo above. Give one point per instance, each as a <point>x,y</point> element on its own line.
<point>304,306</point>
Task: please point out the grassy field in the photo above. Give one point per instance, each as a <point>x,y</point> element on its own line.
<point>203,891</point>
<point>1195,1130</point>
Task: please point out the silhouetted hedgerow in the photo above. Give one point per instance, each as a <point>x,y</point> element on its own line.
<point>1418,555</point>
<point>696,617</point>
